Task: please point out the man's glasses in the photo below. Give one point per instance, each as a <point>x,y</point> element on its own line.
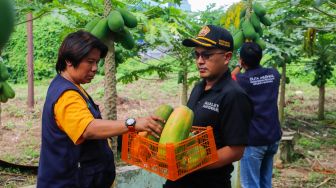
<point>206,54</point>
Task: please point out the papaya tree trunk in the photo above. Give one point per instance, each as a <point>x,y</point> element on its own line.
<point>30,59</point>
<point>282,95</point>
<point>0,114</point>
<point>110,89</point>
<point>321,102</point>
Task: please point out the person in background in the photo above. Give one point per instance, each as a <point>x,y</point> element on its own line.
<point>217,101</point>
<point>262,86</point>
<point>74,149</point>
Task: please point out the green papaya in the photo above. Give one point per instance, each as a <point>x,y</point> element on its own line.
<point>4,75</point>
<point>101,30</point>
<point>193,157</point>
<point>255,22</point>
<point>261,43</point>
<point>8,92</point>
<point>242,13</point>
<point>129,19</point>
<point>163,111</point>
<point>127,40</point>
<point>91,24</point>
<point>3,98</point>
<point>266,21</point>
<point>115,21</point>
<point>7,17</point>
<point>238,39</point>
<point>259,9</point>
<point>248,30</point>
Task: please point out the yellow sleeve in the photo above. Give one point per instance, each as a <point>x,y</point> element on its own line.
<point>72,115</point>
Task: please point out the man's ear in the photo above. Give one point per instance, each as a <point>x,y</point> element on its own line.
<point>68,63</point>
<point>228,56</point>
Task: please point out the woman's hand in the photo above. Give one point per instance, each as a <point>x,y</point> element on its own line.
<point>149,124</point>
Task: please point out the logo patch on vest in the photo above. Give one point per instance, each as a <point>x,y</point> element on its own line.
<point>265,79</point>
<point>211,106</point>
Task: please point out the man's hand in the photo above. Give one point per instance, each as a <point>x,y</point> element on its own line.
<point>150,125</point>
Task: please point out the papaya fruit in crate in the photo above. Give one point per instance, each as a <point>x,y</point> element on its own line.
<point>193,157</point>
<point>129,19</point>
<point>115,21</point>
<point>177,128</point>
<point>136,149</point>
<point>7,17</point>
<point>91,24</point>
<point>259,9</point>
<point>163,111</point>
<point>101,30</point>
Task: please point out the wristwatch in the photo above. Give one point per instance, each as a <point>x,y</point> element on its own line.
<point>239,66</point>
<point>130,124</point>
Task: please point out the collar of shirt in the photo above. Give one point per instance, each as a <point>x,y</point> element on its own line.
<point>219,84</point>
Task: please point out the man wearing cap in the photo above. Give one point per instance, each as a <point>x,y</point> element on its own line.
<point>220,102</point>
<point>262,86</point>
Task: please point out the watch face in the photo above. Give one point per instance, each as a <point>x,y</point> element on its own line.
<point>130,121</point>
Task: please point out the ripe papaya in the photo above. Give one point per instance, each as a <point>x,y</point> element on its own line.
<point>193,157</point>
<point>7,15</point>
<point>126,40</point>
<point>238,39</point>
<point>91,24</point>
<point>248,30</point>
<point>129,19</point>
<point>115,21</point>
<point>177,128</point>
<point>266,21</point>
<point>163,111</point>
<point>101,30</point>
<point>259,9</point>
<point>4,75</point>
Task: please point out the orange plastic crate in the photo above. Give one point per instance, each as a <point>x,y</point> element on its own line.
<point>171,161</point>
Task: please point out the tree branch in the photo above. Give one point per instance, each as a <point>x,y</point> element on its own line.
<point>332,4</point>
<point>323,12</point>
<point>37,17</point>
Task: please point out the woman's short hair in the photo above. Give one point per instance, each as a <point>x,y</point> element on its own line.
<point>76,46</point>
<point>251,54</point>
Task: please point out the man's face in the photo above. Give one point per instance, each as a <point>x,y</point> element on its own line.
<point>211,63</point>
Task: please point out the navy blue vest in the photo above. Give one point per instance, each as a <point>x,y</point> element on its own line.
<point>262,86</point>
<point>64,164</point>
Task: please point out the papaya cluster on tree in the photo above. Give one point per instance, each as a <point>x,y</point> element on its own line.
<point>6,91</point>
<point>250,25</point>
<point>6,21</point>
<point>7,26</point>
<point>114,27</point>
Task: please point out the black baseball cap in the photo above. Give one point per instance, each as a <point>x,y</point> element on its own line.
<point>211,36</point>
